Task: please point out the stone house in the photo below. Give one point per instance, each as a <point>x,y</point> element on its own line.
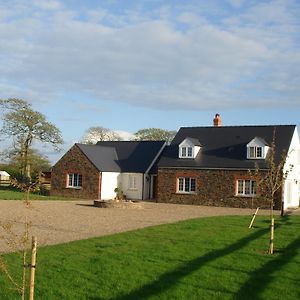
<point>94,171</point>
<point>210,165</point>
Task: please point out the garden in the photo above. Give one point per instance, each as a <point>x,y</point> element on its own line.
<point>204,258</point>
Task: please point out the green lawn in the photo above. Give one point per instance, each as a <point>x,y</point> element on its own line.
<point>208,258</point>
<point>10,194</point>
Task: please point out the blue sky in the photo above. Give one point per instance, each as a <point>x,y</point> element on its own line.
<point>127,65</point>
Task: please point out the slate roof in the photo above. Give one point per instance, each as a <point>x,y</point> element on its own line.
<point>122,156</point>
<point>224,147</point>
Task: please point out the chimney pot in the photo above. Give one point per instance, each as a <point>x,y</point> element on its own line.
<point>217,120</point>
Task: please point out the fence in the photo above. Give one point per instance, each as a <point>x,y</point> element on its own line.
<point>4,183</point>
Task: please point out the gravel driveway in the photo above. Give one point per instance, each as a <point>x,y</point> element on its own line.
<point>55,222</point>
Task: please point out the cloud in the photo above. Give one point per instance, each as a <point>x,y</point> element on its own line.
<point>47,4</point>
<point>168,60</point>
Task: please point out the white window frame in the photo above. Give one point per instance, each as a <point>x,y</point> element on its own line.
<point>256,152</point>
<point>132,182</point>
<point>187,151</point>
<point>74,180</point>
<point>246,187</point>
<point>186,185</point>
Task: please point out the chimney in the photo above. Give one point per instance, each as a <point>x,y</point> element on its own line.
<point>217,120</point>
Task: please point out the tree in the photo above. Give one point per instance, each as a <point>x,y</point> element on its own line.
<point>271,182</point>
<point>154,134</point>
<point>99,133</point>
<point>25,126</point>
<point>37,161</point>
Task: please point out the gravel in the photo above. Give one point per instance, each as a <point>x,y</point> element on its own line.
<point>55,222</point>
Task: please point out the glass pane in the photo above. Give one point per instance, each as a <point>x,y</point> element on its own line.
<point>258,152</point>
<point>187,185</point>
<point>252,152</point>
<point>180,184</point>
<point>247,187</point>
<point>75,176</point>
<point>190,151</point>
<point>240,187</point>
<point>193,185</point>
<point>79,180</point>
<point>70,180</point>
<point>253,187</point>
<point>183,151</point>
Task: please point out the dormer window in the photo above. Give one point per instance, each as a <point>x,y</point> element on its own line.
<point>186,151</point>
<point>189,148</point>
<point>257,149</point>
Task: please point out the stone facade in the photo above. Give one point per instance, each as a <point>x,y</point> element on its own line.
<point>74,161</point>
<point>213,187</point>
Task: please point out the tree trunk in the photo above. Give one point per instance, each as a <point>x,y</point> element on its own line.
<point>27,144</point>
<point>32,266</point>
<point>271,247</point>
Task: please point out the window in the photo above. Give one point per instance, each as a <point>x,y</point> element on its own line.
<point>132,184</point>
<point>186,185</point>
<point>255,152</point>
<point>246,187</point>
<point>74,180</point>
<point>187,152</point>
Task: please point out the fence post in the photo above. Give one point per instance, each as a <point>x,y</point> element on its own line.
<point>32,267</point>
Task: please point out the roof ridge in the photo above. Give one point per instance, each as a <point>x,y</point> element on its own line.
<point>230,126</point>
<point>156,141</point>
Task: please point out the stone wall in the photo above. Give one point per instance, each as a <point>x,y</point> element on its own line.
<point>213,187</point>
<point>74,161</point>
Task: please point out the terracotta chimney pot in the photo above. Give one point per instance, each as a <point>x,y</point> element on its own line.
<point>217,120</point>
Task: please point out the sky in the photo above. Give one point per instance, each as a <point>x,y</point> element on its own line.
<point>127,65</point>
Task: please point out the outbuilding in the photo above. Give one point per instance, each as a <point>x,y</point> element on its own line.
<point>4,176</point>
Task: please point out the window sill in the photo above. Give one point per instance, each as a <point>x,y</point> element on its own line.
<point>186,193</point>
<point>245,196</point>
<point>74,187</point>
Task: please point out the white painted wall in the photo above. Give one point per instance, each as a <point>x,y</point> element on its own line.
<point>291,191</point>
<point>132,193</point>
<point>110,180</point>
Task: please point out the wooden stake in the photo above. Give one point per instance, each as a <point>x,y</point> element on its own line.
<point>32,267</point>
<point>24,245</point>
<point>24,275</point>
<point>253,218</point>
<point>271,248</point>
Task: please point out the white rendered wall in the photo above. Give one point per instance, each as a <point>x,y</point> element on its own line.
<point>291,186</point>
<point>136,193</point>
<point>110,181</point>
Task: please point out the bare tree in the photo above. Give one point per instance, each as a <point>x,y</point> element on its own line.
<point>99,133</point>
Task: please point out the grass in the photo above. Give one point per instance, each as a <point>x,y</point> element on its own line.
<point>208,258</point>
<point>8,193</point>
